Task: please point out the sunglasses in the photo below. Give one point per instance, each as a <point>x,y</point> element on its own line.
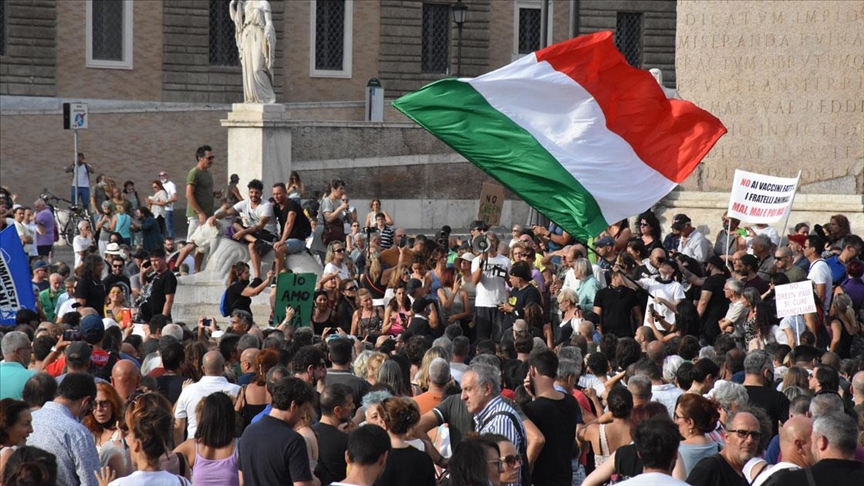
<point>350,288</point>
<point>339,250</point>
<point>211,157</point>
<point>743,434</point>
<point>117,266</point>
<point>513,460</point>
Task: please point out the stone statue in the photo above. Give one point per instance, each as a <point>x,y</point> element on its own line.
<point>256,45</point>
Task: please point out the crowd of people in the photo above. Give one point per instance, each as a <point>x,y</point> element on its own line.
<point>531,358</point>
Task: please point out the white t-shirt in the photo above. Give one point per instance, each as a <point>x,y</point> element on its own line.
<point>33,250</point>
<point>343,272</point>
<point>672,291</point>
<point>768,231</point>
<point>83,176</point>
<point>80,243</point>
<point>150,478</point>
<point>157,210</point>
<point>820,273</point>
<point>24,233</point>
<point>252,216</point>
<point>491,289</point>
<point>187,403</point>
<point>796,324</point>
<point>171,189</point>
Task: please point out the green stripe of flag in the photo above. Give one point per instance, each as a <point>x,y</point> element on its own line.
<point>461,117</point>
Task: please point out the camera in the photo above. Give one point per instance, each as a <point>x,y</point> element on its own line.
<point>206,322</point>
<point>370,230</point>
<point>403,241</point>
<point>71,335</point>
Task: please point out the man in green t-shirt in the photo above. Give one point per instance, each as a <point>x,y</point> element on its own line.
<point>200,198</point>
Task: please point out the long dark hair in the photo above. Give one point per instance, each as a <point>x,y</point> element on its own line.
<point>216,420</point>
<point>468,465</point>
<point>650,218</point>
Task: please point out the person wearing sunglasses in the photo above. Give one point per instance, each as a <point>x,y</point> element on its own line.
<point>510,461</point>
<point>743,434</point>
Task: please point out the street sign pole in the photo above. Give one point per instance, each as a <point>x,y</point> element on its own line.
<point>75,165</point>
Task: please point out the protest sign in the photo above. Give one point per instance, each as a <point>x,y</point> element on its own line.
<point>758,198</point>
<point>794,299</point>
<point>295,290</point>
<point>491,204</point>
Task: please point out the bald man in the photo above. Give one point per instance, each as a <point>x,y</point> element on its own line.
<point>125,378</point>
<point>213,381</point>
<point>247,366</point>
<point>794,447</point>
<point>858,389</point>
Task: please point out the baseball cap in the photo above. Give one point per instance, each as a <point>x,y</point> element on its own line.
<point>521,270</point>
<point>605,241</point>
<point>467,256</point>
<point>78,353</point>
<point>39,264</point>
<point>412,285</point>
<point>92,328</point>
<point>679,221</point>
<point>716,261</point>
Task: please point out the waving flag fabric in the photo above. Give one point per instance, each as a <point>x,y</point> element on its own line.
<point>16,291</point>
<point>572,129</point>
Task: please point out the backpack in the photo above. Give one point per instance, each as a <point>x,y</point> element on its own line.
<point>223,309</point>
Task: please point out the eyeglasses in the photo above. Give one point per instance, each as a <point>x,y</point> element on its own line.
<point>675,416</point>
<point>513,460</point>
<point>211,157</point>
<point>350,288</point>
<point>644,224</point>
<point>339,250</point>
<point>101,404</point>
<point>518,254</point>
<point>743,434</point>
<point>498,463</point>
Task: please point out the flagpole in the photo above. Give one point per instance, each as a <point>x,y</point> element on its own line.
<point>786,221</point>
<point>726,252</point>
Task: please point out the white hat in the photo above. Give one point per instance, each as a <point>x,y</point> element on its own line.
<point>467,256</point>
<point>113,249</point>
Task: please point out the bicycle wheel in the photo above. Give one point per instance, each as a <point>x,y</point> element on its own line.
<point>71,230</point>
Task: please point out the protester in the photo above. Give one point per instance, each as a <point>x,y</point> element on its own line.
<point>212,453</point>
<point>16,424</point>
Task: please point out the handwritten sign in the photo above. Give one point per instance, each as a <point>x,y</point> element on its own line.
<point>794,299</point>
<point>295,290</point>
<point>758,198</point>
<point>491,204</point>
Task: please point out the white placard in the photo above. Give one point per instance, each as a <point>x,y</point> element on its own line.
<point>758,198</point>
<point>794,299</point>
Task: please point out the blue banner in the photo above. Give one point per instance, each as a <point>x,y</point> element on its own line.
<point>16,291</point>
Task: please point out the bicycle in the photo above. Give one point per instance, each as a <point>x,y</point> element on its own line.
<point>66,219</point>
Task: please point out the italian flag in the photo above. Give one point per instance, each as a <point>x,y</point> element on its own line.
<point>572,129</point>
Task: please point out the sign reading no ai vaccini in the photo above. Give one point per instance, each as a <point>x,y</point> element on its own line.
<point>794,299</point>
<point>758,198</point>
<point>295,290</point>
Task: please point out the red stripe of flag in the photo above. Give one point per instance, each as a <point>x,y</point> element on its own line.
<point>671,136</point>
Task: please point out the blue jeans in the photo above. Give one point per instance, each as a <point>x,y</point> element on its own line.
<point>169,223</point>
<point>83,196</point>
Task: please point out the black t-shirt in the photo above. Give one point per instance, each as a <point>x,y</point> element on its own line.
<point>420,326</point>
<point>170,386</point>
<point>617,304</point>
<point>332,444</point>
<point>93,292</point>
<point>234,298</point>
<point>358,386</point>
<point>408,466</point>
<point>301,228</point>
<point>163,284</point>
<point>524,296</point>
<point>775,404</point>
<point>716,308</point>
<point>452,411</point>
<point>557,420</point>
<point>714,471</point>
<point>271,452</point>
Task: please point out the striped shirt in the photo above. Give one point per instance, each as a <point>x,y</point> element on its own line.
<point>487,422</point>
<point>386,237</point>
<point>58,432</point>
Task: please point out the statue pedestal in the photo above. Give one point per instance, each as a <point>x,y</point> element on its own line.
<point>259,144</point>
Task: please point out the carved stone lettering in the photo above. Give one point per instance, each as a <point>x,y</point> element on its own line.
<point>787,80</point>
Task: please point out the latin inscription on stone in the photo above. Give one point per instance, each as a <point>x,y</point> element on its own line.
<point>787,80</point>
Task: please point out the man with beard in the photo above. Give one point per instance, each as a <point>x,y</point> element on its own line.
<point>117,277</point>
<point>664,293</point>
<point>726,468</point>
<point>618,307</point>
<point>293,223</point>
<point>257,222</point>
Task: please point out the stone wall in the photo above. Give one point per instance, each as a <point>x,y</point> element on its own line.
<point>29,64</point>
<point>401,41</point>
<point>658,28</point>
<point>787,80</point>
<point>188,75</point>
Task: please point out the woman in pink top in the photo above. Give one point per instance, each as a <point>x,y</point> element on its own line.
<point>212,454</point>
